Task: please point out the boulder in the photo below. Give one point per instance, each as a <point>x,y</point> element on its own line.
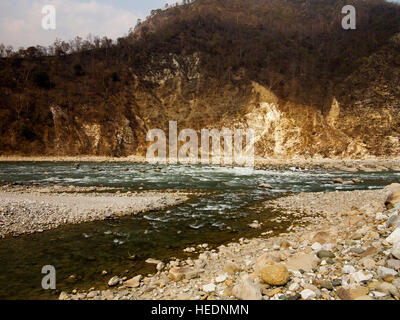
<point>394,237</point>
<point>394,195</point>
<point>393,264</point>
<point>396,250</point>
<point>384,287</point>
<point>383,272</point>
<point>247,290</point>
<point>275,275</point>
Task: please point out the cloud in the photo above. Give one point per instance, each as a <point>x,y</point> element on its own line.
<point>21,21</point>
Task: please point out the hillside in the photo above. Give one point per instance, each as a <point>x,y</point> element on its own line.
<point>284,68</point>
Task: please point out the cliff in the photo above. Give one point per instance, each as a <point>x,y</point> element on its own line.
<point>283,68</point>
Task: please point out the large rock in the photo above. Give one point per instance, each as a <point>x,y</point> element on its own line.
<point>394,237</point>
<point>384,287</point>
<point>275,275</point>
<point>383,272</point>
<point>393,264</point>
<point>178,274</point>
<point>302,261</point>
<point>394,195</point>
<point>396,250</point>
<point>247,290</point>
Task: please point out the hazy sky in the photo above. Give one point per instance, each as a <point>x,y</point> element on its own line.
<point>20,20</point>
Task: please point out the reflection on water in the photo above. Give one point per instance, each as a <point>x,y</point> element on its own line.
<point>228,200</point>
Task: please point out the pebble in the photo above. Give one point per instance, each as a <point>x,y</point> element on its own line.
<point>114,281</point>
<point>325,254</point>
<point>221,278</point>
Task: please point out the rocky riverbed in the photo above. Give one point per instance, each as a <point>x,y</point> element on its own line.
<point>29,209</point>
<point>347,246</point>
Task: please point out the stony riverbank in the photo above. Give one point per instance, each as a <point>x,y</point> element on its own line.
<point>346,247</point>
<point>29,209</point>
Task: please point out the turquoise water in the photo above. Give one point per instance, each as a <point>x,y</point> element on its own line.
<point>226,201</point>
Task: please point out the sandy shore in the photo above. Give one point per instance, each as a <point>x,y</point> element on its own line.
<point>349,165</point>
<point>345,246</point>
<point>29,210</point>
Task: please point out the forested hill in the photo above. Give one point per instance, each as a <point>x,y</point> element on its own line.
<point>285,67</point>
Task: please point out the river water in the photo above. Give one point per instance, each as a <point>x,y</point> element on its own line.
<point>226,201</point>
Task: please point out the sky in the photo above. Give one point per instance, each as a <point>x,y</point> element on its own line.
<point>21,20</point>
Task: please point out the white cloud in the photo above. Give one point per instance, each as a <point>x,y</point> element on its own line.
<point>21,22</point>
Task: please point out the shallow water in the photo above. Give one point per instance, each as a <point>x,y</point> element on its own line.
<point>228,200</point>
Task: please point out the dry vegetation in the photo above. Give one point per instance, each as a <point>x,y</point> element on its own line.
<point>296,48</point>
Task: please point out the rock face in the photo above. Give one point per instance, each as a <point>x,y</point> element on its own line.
<point>275,275</point>
<point>283,127</point>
